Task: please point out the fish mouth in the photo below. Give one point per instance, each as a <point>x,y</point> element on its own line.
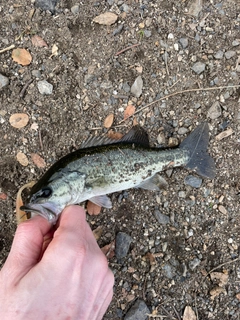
<point>48,211</point>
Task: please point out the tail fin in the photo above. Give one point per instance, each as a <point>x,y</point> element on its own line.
<point>197,143</point>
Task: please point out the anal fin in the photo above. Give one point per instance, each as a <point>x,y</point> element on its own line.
<point>155,183</point>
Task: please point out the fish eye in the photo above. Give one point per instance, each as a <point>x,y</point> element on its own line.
<point>45,192</point>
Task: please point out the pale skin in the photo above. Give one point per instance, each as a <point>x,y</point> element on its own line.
<point>55,275</point>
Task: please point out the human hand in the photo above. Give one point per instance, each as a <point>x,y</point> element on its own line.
<point>64,277</point>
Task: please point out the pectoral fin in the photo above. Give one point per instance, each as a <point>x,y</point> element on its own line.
<point>102,201</point>
<point>154,184</point>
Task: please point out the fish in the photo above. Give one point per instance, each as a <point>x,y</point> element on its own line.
<point>102,166</point>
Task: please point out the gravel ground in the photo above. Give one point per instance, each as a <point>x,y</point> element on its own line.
<point>173,240</point>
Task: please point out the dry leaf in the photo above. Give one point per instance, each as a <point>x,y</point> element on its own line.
<point>19,120</point>
<point>224,134</point>
<point>109,121</point>
<point>189,314</point>
<point>3,196</point>
<point>92,208</point>
<point>151,258</point>
<point>38,41</point>
<point>54,50</point>
<point>22,159</point>
<point>21,215</point>
<point>135,121</point>
<point>34,126</point>
<point>238,296</point>
<point>38,161</point>
<point>221,278</point>
<point>114,135</point>
<point>215,292</point>
<point>106,18</point>
<point>98,232</point>
<point>129,111</point>
<point>108,250</point>
<point>21,56</point>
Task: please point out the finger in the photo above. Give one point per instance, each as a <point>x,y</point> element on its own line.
<point>69,236</point>
<point>27,247</point>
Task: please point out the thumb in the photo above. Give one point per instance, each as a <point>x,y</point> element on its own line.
<point>26,248</point>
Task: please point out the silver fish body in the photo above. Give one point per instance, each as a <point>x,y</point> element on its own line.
<point>93,172</point>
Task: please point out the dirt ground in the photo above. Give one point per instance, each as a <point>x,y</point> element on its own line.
<point>170,261</point>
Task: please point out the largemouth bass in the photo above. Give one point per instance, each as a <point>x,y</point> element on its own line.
<point>104,166</point>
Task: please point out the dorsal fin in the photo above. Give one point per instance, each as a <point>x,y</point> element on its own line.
<point>136,135</point>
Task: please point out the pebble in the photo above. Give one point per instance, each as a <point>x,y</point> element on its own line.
<point>36,73</point>
<point>136,88</point>
<point>147,33</point>
<point>192,181</point>
<point>168,271</point>
<point>214,111</point>
<point>118,30</point>
<point>45,87</point>
<point>194,263</point>
<point>182,194</point>
<point>75,9</point>
<point>183,42</point>
<point>229,54</point>
<point>161,218</point>
<point>46,4</point>
<point>198,67</point>
<point>123,242</point>
<point>4,81</point>
<point>235,43</point>
<point>110,2</point>
<point>126,87</point>
<point>182,130</point>
<point>218,54</point>
<point>139,311</point>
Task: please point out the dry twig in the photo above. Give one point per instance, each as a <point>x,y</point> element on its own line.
<point>22,92</point>
<point>179,92</point>
<point>128,48</point>
<point>12,46</point>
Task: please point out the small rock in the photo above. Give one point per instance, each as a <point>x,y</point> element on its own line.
<point>75,9</point>
<point>147,33</point>
<point>218,54</point>
<point>192,181</point>
<point>198,67</point>
<point>168,271</point>
<point>118,30</point>
<point>182,130</point>
<point>36,73</point>
<point>161,138</point>
<point>194,263</point>
<point>123,242</point>
<point>161,218</point>
<point>126,87</point>
<point>4,81</point>
<point>183,42</point>
<point>46,4</point>
<point>44,87</point>
<point>125,8</point>
<point>136,88</point>
<point>139,311</point>
<point>222,209</point>
<point>215,111</point>
<point>182,194</point>
<point>229,54</point>
<point>235,43</point>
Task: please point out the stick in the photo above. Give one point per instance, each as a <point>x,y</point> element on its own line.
<point>123,50</point>
<point>12,46</point>
<point>179,92</point>
<point>22,92</point>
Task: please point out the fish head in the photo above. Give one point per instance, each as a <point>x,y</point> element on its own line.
<point>48,202</point>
